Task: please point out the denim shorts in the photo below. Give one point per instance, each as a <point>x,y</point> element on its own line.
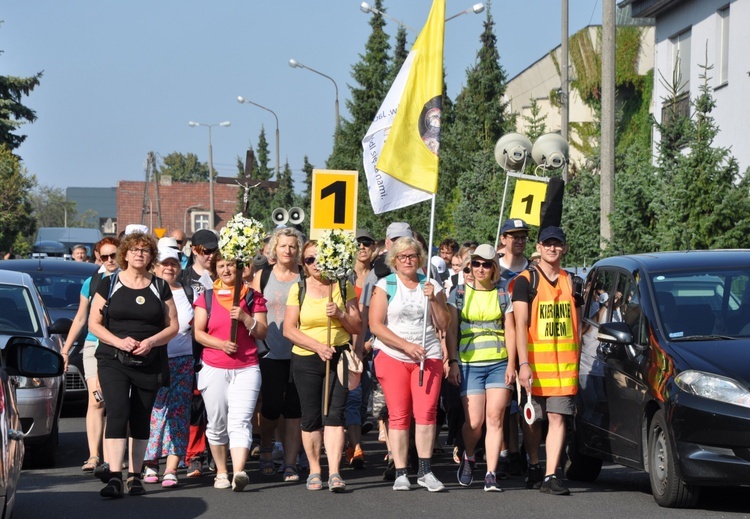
<point>475,380</point>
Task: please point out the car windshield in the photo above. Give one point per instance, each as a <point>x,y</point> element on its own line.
<point>709,305</point>
<point>17,314</point>
<point>58,289</point>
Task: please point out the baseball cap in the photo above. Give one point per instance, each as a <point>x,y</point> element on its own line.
<point>364,233</point>
<point>514,225</point>
<point>166,253</point>
<point>484,251</point>
<point>205,239</point>
<point>552,233</point>
<point>439,264</point>
<point>398,230</point>
<point>167,242</point>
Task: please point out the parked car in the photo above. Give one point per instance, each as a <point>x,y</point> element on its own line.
<point>21,357</point>
<point>70,237</point>
<point>22,313</point>
<point>665,372</point>
<point>59,283</point>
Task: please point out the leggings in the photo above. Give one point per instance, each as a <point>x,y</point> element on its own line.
<point>403,396</point>
<point>129,403</point>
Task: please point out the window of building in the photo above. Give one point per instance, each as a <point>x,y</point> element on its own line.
<point>681,62</point>
<point>199,220</point>
<point>722,45</point>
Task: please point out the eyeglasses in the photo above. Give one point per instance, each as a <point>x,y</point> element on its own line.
<point>179,242</point>
<point>484,264</point>
<point>467,269</point>
<point>200,249</point>
<point>107,257</point>
<point>366,243</point>
<point>515,237</point>
<point>139,251</point>
<point>553,245</point>
<point>403,258</point>
<point>310,260</point>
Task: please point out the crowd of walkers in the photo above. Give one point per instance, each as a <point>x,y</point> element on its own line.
<point>180,375</point>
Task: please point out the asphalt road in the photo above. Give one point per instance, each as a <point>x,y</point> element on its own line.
<point>65,492</point>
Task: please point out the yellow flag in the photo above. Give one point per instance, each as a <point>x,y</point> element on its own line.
<point>410,152</point>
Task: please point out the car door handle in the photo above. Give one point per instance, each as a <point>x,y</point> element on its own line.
<point>15,435</point>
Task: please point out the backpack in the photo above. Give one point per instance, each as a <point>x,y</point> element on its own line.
<point>500,286</point>
<point>157,285</point>
<point>392,284</point>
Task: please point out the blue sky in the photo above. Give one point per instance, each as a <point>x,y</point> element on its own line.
<point>122,78</point>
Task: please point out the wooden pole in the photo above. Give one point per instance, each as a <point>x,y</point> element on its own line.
<point>236,302</point>
<point>328,362</point>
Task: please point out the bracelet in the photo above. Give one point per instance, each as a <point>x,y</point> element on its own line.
<point>521,364</point>
<point>250,331</point>
<point>452,361</point>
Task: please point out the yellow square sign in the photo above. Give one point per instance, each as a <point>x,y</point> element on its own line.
<point>334,201</point>
<point>527,201</point>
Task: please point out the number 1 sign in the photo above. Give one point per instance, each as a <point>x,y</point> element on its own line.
<point>527,201</point>
<point>333,201</point>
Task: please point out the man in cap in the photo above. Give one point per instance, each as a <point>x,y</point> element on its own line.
<point>179,238</point>
<point>514,235</point>
<point>547,348</point>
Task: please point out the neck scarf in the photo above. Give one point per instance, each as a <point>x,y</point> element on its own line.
<point>225,294</point>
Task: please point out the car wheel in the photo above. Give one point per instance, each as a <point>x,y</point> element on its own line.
<point>666,486</point>
<point>42,455</point>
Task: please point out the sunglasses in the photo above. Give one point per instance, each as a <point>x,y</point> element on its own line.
<point>107,257</point>
<point>179,242</point>
<point>200,249</point>
<point>310,260</point>
<point>367,243</point>
<point>484,264</point>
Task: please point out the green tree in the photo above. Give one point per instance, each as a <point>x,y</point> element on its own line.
<point>184,167</point>
<point>261,198</point>
<point>304,199</point>
<point>13,113</point>
<point>284,195</point>
<point>52,209</point>
<point>17,224</point>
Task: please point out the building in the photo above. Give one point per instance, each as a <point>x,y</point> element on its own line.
<point>178,205</point>
<point>101,201</point>
<point>541,81</point>
<point>693,33</point>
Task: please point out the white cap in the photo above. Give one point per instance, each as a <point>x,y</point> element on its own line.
<point>135,227</point>
<point>439,264</point>
<point>168,242</point>
<point>166,253</point>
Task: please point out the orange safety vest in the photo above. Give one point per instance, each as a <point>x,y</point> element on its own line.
<point>552,338</point>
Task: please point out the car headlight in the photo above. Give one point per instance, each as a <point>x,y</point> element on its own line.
<point>713,387</point>
<point>28,382</point>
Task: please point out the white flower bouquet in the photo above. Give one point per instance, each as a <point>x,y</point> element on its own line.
<point>241,239</point>
<point>336,252</point>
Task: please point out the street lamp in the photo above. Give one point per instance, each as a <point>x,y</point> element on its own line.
<point>367,8</point>
<point>476,9</point>
<point>241,99</point>
<point>296,64</point>
<point>210,169</point>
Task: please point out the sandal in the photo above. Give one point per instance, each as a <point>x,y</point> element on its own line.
<point>169,480</point>
<point>113,488</point>
<point>134,486</point>
<point>90,464</point>
<point>290,474</point>
<point>336,484</point>
<point>267,467</point>
<point>314,482</point>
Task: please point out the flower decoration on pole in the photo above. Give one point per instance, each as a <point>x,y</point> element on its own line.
<point>240,240</point>
<point>336,252</point>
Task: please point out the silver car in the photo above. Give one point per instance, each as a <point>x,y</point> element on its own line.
<point>22,313</point>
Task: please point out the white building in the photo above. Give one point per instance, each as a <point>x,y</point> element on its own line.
<point>692,33</point>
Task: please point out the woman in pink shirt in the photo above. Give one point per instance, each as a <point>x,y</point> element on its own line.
<point>230,378</point>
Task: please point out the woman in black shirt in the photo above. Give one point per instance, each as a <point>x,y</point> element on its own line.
<point>133,315</point>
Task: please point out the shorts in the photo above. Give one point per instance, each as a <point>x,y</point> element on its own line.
<point>564,405</point>
<point>476,380</point>
<point>89,361</point>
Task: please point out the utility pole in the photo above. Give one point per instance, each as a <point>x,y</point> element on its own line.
<point>607,185</point>
<point>565,87</point>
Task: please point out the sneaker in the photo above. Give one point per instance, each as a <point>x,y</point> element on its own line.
<point>390,471</point>
<point>240,481</point>
<point>515,464</point>
<point>357,461</point>
<point>169,480</point>
<point>465,472</point>
<point>402,483</point>
<point>534,477</point>
<point>553,486</point>
<point>221,481</point>
<point>490,483</point>
<point>103,474</point>
<point>502,468</point>
<point>150,476</point>
<point>195,469</point>
<point>430,482</point>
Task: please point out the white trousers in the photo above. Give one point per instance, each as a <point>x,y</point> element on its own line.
<point>230,396</point>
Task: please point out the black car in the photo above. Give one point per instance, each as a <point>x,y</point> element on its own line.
<point>665,371</point>
<point>59,283</point>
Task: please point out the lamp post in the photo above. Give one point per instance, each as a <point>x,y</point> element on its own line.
<point>210,168</point>
<point>296,64</point>
<point>367,8</point>
<point>241,99</point>
<point>476,9</point>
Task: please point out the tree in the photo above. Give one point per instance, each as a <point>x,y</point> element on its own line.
<point>284,195</point>
<point>13,113</point>
<point>184,167</point>
<point>52,209</point>
<point>260,198</point>
<point>535,124</point>
<point>17,225</point>
<point>304,200</point>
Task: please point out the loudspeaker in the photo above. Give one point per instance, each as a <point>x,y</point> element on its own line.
<point>296,215</point>
<point>553,204</point>
<point>511,151</point>
<point>550,151</point>
<point>280,216</point>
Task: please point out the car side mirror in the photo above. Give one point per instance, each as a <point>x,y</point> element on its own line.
<point>615,333</point>
<point>25,357</point>
<point>61,326</point>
